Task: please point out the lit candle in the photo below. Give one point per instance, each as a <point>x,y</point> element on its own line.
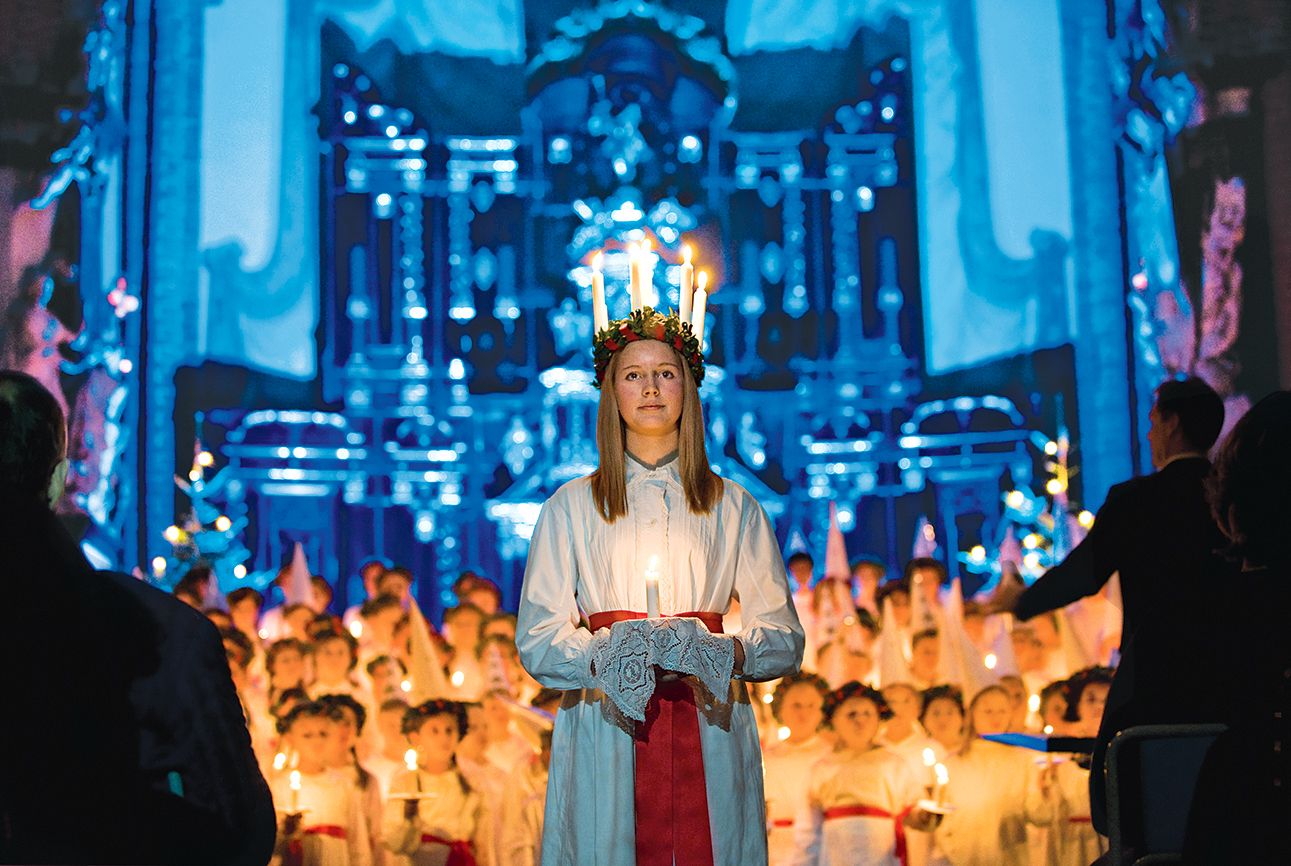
<point>294,781</point>
<point>943,779</point>
<point>1033,704</point>
<point>784,733</point>
<point>652,588</point>
<point>687,295</point>
<point>457,678</point>
<point>405,686</point>
<point>990,661</point>
<point>279,760</point>
<point>929,757</point>
<point>701,308</point>
<point>600,314</point>
<point>410,759</point>
<point>356,629</point>
<point>634,277</point>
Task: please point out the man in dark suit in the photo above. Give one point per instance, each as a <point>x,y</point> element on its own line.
<point>1158,533</point>
<point>121,738</point>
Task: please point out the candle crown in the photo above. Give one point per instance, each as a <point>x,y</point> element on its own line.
<point>647,324</point>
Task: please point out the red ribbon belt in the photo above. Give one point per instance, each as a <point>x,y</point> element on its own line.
<point>460,851</point>
<point>296,849</point>
<point>876,812</point>
<point>782,822</point>
<point>671,797</point>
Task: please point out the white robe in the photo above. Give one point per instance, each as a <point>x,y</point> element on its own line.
<point>330,799</point>
<point>1070,839</point>
<point>452,813</point>
<point>788,772</point>
<point>877,777</point>
<point>988,789</point>
<point>577,560</point>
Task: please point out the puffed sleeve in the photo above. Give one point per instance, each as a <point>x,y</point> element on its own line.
<point>772,636</point>
<point>553,647</point>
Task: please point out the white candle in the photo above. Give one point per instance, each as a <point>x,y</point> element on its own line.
<point>600,314</point>
<point>687,295</point>
<point>634,277</point>
<point>294,782</point>
<point>410,760</point>
<point>943,779</point>
<point>700,309</point>
<point>649,295</point>
<point>652,588</point>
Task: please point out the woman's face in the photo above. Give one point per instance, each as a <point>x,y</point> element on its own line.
<point>647,385</point>
<point>944,721</point>
<point>801,710</point>
<point>856,721</point>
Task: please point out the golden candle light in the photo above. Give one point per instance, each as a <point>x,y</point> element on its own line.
<point>652,588</point>
<point>279,760</point>
<point>410,760</point>
<point>929,757</point>
<point>943,779</point>
<point>294,782</point>
<point>457,678</point>
<point>990,661</point>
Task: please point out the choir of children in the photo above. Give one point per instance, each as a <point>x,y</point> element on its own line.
<point>870,756</point>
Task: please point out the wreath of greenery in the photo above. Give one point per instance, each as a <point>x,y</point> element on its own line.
<point>647,324</point>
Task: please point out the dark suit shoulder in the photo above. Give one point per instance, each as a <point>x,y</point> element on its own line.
<point>177,619</point>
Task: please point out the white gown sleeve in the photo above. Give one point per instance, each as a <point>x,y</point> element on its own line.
<point>553,647</point>
<point>772,635</point>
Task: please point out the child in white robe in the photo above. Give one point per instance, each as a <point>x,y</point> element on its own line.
<point>394,746</point>
<point>350,717</point>
<point>859,797</point>
<point>903,733</point>
<point>432,815</point>
<point>941,712</point>
<point>987,789</point>
<point>320,810</point>
<point>523,803</point>
<point>1059,797</point>
<point>798,706</point>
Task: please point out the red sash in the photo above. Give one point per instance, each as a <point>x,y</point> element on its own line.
<point>671,797</point>
<point>296,849</point>
<point>460,851</point>
<point>876,812</point>
<point>1080,819</point>
<point>782,822</point>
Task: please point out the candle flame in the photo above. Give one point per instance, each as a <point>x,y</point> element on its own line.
<point>598,262</point>
<point>990,661</point>
<point>943,775</point>
<point>295,780</point>
<point>356,629</point>
<point>405,686</point>
<point>1048,729</point>
<point>685,254</point>
<point>410,759</point>
<point>457,679</point>
<point>768,698</point>
<point>784,732</point>
<point>652,567</point>
<point>701,280</point>
<point>1033,703</point>
<point>929,757</point>
<point>280,760</point>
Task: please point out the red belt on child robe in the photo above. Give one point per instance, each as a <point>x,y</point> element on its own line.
<point>671,796</point>
<point>460,852</point>
<point>296,850</point>
<point>876,812</point>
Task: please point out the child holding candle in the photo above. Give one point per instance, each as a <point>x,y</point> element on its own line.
<point>320,813</point>
<point>798,706</point>
<point>903,733</point>
<point>433,817</point>
<point>654,493</point>
<point>1059,795</point>
<point>350,716</point>
<point>859,798</point>
<point>987,789</point>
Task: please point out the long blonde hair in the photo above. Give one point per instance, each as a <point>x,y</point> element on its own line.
<point>703,486</point>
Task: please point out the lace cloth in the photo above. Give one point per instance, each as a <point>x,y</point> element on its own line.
<point>625,656</point>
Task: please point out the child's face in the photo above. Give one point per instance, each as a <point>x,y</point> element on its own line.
<point>484,599</point>
<point>802,709</point>
<point>900,602</point>
<point>923,658</point>
<point>497,712</point>
<point>502,627</point>
<point>1017,691</point>
<point>435,739</point>
<point>332,660</point>
<point>1052,711</point>
<point>380,626</point>
<point>244,614</point>
<point>1093,698</point>
<point>288,668</point>
<point>385,678</point>
<point>393,585</point>
<point>991,714</point>
<point>314,738</point>
<point>903,702</point>
<point>298,621</point>
<point>944,721</point>
<point>975,628</point>
<point>389,723</point>
<point>856,721</point>
<point>464,630</point>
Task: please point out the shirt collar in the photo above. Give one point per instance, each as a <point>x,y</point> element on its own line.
<point>1184,455</point>
<point>668,467</point>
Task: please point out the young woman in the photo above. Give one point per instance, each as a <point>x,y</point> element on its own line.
<point>859,797</point>
<point>653,500</point>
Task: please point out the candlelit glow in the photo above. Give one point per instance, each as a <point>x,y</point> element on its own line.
<point>356,629</point>
<point>701,281</point>
<point>410,760</point>
<point>1048,729</point>
<point>929,757</point>
<point>685,254</point>
<point>295,780</point>
<point>280,760</point>
<point>990,661</point>
<point>784,732</point>
<point>264,633</point>
<point>943,775</point>
<point>768,698</point>
<point>457,678</point>
<point>405,686</point>
<point>1033,703</point>
<point>652,587</point>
